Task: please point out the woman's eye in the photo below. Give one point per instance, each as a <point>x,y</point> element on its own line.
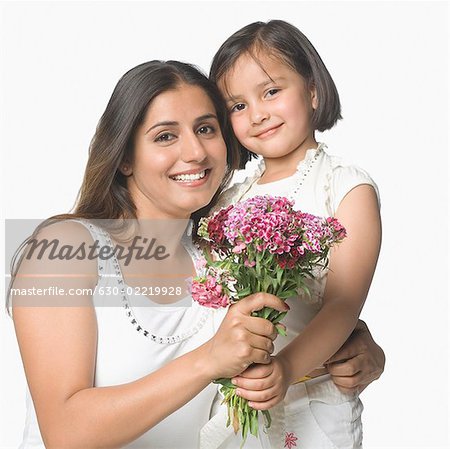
<point>165,137</point>
<point>272,92</point>
<point>238,107</point>
<point>206,129</point>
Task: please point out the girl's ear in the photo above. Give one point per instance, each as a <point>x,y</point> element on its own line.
<point>314,99</point>
<point>125,169</point>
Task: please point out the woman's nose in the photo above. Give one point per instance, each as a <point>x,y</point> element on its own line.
<point>192,149</point>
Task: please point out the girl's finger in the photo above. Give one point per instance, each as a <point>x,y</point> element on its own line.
<point>257,371</point>
<point>257,396</point>
<point>265,405</point>
<point>254,384</point>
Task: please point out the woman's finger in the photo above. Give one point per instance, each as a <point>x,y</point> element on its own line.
<point>263,343</point>
<point>257,301</point>
<point>259,356</point>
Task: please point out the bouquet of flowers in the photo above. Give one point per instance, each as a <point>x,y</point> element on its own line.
<point>260,245</point>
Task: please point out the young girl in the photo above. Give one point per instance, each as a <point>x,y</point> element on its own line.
<point>279,93</point>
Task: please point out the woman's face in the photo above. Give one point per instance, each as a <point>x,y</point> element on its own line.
<point>179,156</point>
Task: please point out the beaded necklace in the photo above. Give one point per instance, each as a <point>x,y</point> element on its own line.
<point>122,287</point>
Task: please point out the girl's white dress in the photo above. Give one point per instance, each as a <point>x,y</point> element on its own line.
<point>136,337</point>
<point>314,414</point>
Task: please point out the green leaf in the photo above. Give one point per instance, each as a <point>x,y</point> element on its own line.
<point>279,275</point>
<point>245,427</point>
<point>279,317</point>
<point>281,331</point>
<point>245,292</point>
<point>225,382</point>
<point>254,423</point>
<point>287,294</point>
<point>266,414</point>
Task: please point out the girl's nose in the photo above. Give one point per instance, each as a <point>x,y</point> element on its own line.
<point>258,114</point>
<point>192,149</point>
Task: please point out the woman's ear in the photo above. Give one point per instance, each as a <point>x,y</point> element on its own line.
<point>125,169</point>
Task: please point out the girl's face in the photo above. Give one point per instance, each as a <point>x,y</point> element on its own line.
<point>270,106</point>
<point>179,156</point>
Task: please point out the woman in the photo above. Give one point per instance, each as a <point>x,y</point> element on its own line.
<point>124,375</point>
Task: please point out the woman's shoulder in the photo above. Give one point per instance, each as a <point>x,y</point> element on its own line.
<point>58,244</point>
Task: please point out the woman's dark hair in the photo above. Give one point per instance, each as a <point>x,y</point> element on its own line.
<point>104,193</point>
<point>286,42</point>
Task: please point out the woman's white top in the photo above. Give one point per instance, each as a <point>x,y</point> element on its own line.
<point>318,186</point>
<point>133,342</point>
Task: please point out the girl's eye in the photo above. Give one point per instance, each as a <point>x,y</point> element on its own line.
<point>272,92</point>
<point>238,107</point>
<point>206,129</point>
<point>165,137</point>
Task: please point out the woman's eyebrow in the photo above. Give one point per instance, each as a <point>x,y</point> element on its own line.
<point>206,117</point>
<point>166,123</point>
<point>173,123</point>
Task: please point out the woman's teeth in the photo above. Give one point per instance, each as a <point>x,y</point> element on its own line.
<point>189,178</point>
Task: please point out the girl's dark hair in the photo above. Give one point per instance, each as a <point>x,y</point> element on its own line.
<point>104,193</point>
<point>286,42</point>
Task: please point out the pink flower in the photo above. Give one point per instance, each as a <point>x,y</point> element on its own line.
<point>290,440</point>
<point>239,248</point>
<point>209,293</point>
<point>200,263</point>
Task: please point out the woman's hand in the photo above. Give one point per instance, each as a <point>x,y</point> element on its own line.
<point>358,362</point>
<point>243,339</point>
<point>263,386</point>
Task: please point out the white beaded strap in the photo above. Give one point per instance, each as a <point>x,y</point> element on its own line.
<point>160,339</point>
<point>303,171</point>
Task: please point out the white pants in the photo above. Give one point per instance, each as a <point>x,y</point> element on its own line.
<point>313,415</point>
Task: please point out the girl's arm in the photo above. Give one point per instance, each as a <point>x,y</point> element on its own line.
<point>58,349</point>
<point>352,265</point>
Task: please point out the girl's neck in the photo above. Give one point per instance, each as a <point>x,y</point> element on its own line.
<point>282,167</point>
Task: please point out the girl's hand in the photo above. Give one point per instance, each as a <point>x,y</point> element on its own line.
<point>241,338</point>
<point>263,386</point>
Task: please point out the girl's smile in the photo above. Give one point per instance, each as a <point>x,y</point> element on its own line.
<point>270,108</point>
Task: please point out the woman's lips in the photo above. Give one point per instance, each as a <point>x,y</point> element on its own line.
<point>192,180</point>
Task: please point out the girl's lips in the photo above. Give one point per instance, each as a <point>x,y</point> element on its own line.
<point>269,132</point>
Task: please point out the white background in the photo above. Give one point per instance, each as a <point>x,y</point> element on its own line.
<point>61,60</point>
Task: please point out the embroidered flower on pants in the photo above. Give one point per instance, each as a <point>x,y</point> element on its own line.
<point>290,440</point>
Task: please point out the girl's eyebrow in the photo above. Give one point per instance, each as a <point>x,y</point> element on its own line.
<point>258,86</point>
<point>173,123</point>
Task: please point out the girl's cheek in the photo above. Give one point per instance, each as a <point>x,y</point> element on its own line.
<point>238,128</point>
